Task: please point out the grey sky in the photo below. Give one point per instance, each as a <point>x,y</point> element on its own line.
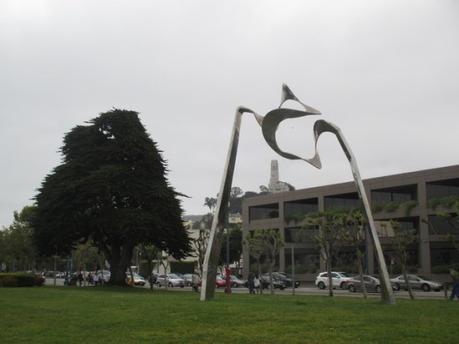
<point>385,71</point>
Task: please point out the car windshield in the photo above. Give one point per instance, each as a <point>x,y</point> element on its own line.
<point>343,274</point>
<point>174,276</point>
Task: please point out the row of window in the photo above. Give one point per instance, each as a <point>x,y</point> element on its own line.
<point>396,195</point>
<point>308,260</point>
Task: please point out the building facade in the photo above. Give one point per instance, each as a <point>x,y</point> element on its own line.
<point>413,199</point>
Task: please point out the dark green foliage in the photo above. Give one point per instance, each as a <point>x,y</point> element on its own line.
<point>110,188</point>
<point>409,206</point>
<point>16,247</point>
<point>235,246</point>
<point>183,267</point>
<point>19,279</point>
<point>445,202</point>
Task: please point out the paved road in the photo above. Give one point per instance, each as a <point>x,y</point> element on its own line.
<point>304,290</point>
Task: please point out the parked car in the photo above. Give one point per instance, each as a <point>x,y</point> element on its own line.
<point>284,277</point>
<point>277,283</point>
<point>138,280</point>
<point>189,279</point>
<point>416,282</point>
<point>220,282</point>
<point>236,282</point>
<point>372,284</point>
<point>171,280</point>
<point>339,280</point>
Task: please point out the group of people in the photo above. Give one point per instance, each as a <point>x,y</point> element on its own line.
<point>254,283</point>
<point>96,278</point>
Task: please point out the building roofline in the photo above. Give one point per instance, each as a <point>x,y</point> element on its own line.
<point>398,179</point>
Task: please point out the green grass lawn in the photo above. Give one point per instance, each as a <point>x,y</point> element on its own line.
<point>97,315</point>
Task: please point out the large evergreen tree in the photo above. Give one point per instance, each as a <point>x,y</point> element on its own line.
<point>111,188</point>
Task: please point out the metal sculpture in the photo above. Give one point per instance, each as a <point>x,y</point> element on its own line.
<point>269,125</point>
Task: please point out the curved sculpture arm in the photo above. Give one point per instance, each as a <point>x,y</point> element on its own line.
<point>321,127</point>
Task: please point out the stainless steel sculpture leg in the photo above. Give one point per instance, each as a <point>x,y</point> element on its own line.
<point>321,126</point>
<point>221,211</point>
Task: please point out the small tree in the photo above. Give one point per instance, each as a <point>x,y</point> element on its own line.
<point>150,253</point>
<point>265,243</point>
<point>210,202</point>
<point>255,244</point>
<point>354,235</point>
<point>451,217</point>
<point>273,243</point>
<point>199,246</point>
<point>401,241</point>
<point>329,238</point>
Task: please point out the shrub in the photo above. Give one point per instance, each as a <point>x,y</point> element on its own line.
<point>19,279</point>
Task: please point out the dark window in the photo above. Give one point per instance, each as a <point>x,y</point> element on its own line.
<point>440,225</point>
<point>267,211</point>
<point>296,209</point>
<point>399,194</point>
<point>306,261</point>
<point>442,188</point>
<point>442,256</point>
<point>298,234</point>
<point>343,201</point>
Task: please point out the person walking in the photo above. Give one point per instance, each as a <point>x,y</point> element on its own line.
<point>251,284</point>
<point>195,282</point>
<point>257,284</point>
<point>80,278</point>
<point>455,276</point>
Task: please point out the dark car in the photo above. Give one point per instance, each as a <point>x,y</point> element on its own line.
<point>284,277</point>
<point>277,283</point>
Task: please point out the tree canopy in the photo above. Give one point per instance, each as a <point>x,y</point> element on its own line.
<point>111,188</point>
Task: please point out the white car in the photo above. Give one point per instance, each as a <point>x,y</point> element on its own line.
<point>171,280</point>
<point>339,280</point>
<point>138,280</point>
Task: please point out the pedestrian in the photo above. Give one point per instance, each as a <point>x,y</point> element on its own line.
<point>90,279</point>
<point>95,279</point>
<point>455,276</point>
<point>195,282</point>
<point>251,284</point>
<point>80,278</point>
<point>257,284</point>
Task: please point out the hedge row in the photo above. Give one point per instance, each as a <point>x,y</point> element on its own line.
<point>20,279</point>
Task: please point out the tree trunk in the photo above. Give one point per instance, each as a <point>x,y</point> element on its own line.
<point>364,287</point>
<point>119,263</point>
<point>271,286</point>
<point>408,286</point>
<point>150,272</point>
<point>259,277</point>
<point>330,281</point>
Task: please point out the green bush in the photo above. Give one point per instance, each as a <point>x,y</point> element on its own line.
<point>19,279</point>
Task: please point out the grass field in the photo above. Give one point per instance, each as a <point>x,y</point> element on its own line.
<point>73,315</point>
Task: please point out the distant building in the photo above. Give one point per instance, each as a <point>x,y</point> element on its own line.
<point>408,198</point>
<point>275,185</point>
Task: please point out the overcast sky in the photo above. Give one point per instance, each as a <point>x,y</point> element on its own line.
<point>386,72</point>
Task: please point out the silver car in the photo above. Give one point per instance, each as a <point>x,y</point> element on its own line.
<point>171,280</point>
<point>416,282</point>
<point>372,284</point>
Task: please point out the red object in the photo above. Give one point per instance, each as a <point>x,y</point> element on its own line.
<point>228,279</point>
